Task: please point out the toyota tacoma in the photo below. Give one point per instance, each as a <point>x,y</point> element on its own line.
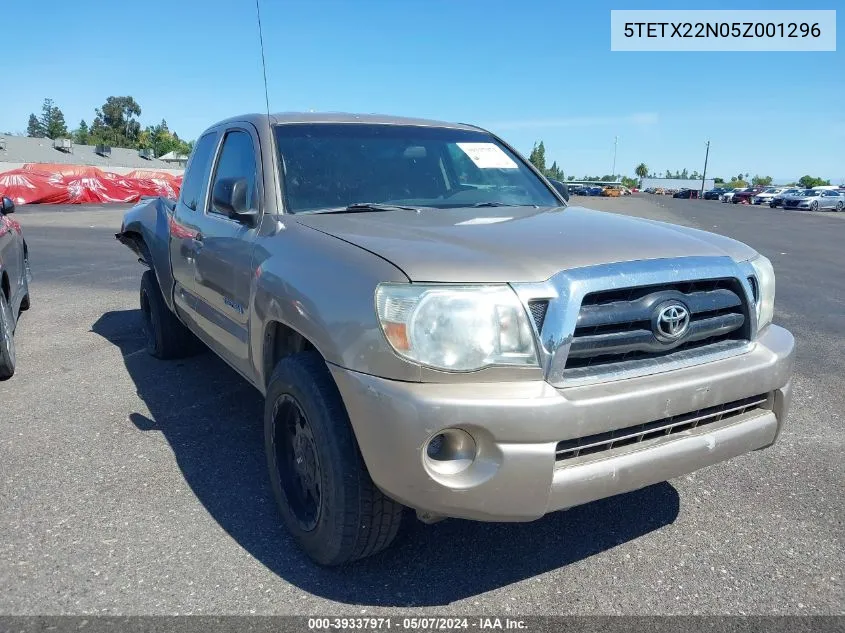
<point>432,326</point>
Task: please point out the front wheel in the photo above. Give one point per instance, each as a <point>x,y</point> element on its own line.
<point>7,342</point>
<point>840,205</point>
<point>325,495</point>
<point>814,206</point>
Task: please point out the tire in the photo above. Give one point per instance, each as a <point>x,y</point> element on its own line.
<point>324,493</point>
<point>814,206</point>
<point>7,341</point>
<point>25,303</point>
<point>840,205</point>
<point>773,206</point>
<point>167,338</point>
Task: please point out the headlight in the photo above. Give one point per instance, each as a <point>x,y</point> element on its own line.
<point>457,328</point>
<point>765,290</point>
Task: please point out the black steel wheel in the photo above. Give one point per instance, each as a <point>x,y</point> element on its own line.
<point>326,498</point>
<point>165,335</point>
<point>297,461</point>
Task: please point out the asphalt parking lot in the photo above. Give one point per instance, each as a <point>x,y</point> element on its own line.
<point>134,486</point>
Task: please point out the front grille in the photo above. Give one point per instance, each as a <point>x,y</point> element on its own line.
<point>570,449</point>
<point>615,326</point>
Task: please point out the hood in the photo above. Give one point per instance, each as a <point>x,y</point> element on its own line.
<point>514,244</point>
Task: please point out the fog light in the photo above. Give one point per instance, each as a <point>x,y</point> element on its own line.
<point>450,452</point>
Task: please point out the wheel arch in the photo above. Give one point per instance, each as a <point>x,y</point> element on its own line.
<point>5,285</point>
<point>279,341</point>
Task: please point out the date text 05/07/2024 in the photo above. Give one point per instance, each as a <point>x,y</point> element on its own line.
<point>417,624</point>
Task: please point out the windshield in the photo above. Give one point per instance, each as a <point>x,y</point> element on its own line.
<point>334,165</point>
<point>771,190</point>
<point>810,192</point>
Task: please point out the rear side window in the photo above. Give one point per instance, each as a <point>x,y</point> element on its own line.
<point>237,160</point>
<point>197,169</point>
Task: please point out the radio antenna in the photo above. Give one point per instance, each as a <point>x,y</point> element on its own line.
<point>263,63</point>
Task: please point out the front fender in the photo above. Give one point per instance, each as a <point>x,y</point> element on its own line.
<point>146,231</point>
<point>324,289</point>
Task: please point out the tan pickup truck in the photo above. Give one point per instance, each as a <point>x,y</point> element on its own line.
<point>434,328</point>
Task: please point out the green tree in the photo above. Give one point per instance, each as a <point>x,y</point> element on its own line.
<point>80,134</point>
<point>53,120</point>
<point>764,181</point>
<point>718,181</point>
<point>538,157</point>
<point>34,127</point>
<point>554,172</point>
<point>116,124</point>
<point>684,174</point>
<point>808,182</point>
<point>695,175</point>
<point>631,183</point>
<point>642,171</point>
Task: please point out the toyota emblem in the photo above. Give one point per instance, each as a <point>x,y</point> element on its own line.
<point>670,322</point>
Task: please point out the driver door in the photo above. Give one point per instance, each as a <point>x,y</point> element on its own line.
<point>223,256</point>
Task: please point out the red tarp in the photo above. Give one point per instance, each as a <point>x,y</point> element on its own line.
<point>149,174</point>
<point>24,187</point>
<point>79,184</point>
<point>67,171</point>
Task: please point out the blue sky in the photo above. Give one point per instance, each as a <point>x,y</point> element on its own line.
<point>526,70</point>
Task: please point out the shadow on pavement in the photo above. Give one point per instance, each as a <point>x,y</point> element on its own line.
<point>212,419</point>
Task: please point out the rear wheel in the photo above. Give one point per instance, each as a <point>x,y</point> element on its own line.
<point>325,495</point>
<point>167,338</point>
<point>7,342</point>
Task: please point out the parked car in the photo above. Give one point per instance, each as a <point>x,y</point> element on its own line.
<point>745,195</point>
<point>728,195</point>
<point>14,284</point>
<point>611,191</point>
<point>765,196</point>
<point>777,200</point>
<point>426,325</point>
<point>687,193</point>
<point>595,191</point>
<point>658,191</point>
<point>713,194</point>
<point>815,200</point>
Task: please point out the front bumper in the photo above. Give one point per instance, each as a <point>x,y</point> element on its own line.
<point>517,426</point>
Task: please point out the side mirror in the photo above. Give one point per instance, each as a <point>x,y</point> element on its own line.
<point>561,187</point>
<point>230,197</point>
<point>7,206</point>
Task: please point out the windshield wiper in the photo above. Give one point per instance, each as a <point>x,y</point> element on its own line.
<point>361,207</point>
<point>502,204</point>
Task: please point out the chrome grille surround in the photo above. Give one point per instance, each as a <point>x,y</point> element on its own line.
<point>566,290</point>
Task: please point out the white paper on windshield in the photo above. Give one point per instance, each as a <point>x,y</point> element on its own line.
<point>487,156</point>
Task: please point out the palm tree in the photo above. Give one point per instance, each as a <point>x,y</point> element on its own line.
<point>641,171</point>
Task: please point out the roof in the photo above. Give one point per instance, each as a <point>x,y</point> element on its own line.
<point>173,156</point>
<point>340,117</point>
<point>23,149</point>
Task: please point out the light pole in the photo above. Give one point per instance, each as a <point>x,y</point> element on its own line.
<point>704,173</point>
<point>615,143</point>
